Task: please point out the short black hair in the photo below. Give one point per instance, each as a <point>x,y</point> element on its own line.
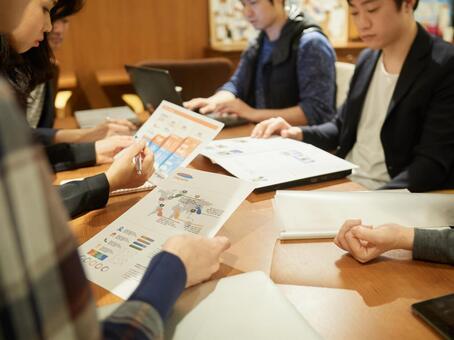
<point>283,2</point>
<point>400,2</point>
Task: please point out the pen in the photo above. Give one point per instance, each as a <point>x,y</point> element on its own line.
<point>138,163</point>
<point>305,235</point>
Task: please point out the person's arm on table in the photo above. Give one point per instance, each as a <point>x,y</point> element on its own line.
<point>93,192</point>
<point>185,261</point>
<point>365,243</point>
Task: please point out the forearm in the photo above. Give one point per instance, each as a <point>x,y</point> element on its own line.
<point>434,245</point>
<point>82,196</point>
<point>142,315</point>
<point>74,136</point>
<point>293,115</point>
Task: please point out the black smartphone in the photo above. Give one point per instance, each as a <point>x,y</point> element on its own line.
<point>439,313</point>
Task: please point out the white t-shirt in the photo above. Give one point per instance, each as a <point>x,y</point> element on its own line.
<point>368,152</point>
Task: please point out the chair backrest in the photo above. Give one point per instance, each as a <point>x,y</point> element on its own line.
<point>344,73</point>
<point>197,77</point>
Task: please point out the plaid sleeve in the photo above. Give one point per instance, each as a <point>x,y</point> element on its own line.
<point>43,290</point>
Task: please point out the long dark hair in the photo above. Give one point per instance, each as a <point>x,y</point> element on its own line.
<point>27,70</point>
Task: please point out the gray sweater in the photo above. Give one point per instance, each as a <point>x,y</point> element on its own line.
<point>434,245</point>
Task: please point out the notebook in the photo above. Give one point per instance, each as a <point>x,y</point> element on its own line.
<point>92,118</point>
<point>276,163</point>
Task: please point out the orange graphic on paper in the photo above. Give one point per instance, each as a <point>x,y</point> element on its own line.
<point>188,145</point>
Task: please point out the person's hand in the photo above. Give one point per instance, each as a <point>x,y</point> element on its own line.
<point>277,126</point>
<point>107,148</point>
<point>239,108</point>
<point>200,255</point>
<point>365,243</point>
<point>122,173</point>
<point>204,105</point>
<point>111,127</point>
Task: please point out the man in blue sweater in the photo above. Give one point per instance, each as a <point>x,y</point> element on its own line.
<point>288,71</point>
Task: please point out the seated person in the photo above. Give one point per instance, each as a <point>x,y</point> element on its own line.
<point>287,72</point>
<point>28,62</point>
<point>44,293</point>
<point>365,243</point>
<point>397,123</point>
<point>41,108</point>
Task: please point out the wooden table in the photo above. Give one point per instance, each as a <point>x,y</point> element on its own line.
<point>340,297</point>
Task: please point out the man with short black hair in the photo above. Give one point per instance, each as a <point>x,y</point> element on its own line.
<point>397,123</point>
<point>288,71</point>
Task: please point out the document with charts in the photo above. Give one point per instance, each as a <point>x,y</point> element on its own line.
<point>187,202</point>
<point>175,135</point>
<point>270,163</point>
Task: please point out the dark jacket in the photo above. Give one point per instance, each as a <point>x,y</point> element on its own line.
<point>279,74</point>
<point>418,132</point>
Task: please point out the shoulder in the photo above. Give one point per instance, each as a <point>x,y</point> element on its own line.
<point>442,53</point>
<point>314,39</point>
<point>315,43</point>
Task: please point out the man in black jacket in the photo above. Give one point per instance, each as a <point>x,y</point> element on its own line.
<point>397,123</point>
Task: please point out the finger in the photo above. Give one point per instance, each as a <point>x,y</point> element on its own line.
<point>366,234</point>
<point>119,129</point>
<point>355,248</point>
<point>222,243</point>
<point>344,229</point>
<point>148,162</point>
<point>275,126</point>
<point>194,103</point>
<point>122,122</point>
<point>259,129</point>
<point>134,149</point>
<point>208,108</point>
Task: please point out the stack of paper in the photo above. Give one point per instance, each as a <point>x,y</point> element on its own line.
<point>187,202</point>
<point>318,214</point>
<point>276,162</point>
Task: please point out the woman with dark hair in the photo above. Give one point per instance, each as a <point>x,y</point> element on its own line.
<point>31,69</point>
<point>44,293</point>
<point>26,61</point>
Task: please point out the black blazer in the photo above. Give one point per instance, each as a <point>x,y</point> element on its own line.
<point>418,132</point>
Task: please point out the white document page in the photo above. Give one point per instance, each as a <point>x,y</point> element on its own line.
<point>323,211</point>
<point>273,161</point>
<point>189,201</point>
<point>245,306</point>
<point>176,136</point>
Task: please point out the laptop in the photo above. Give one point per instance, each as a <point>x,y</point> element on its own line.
<point>154,85</point>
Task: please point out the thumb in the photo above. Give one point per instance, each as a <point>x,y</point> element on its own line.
<point>285,133</point>
<point>222,243</point>
<point>135,148</point>
<point>366,234</point>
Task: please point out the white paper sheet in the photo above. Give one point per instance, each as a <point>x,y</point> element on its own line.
<point>189,201</point>
<point>323,211</point>
<point>176,136</point>
<point>246,306</point>
<point>273,161</point>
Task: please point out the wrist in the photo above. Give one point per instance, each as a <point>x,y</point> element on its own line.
<point>113,183</point>
<point>406,237</point>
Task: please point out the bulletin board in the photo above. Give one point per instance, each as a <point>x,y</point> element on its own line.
<point>230,31</point>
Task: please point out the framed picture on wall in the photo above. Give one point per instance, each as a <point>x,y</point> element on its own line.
<point>229,30</point>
